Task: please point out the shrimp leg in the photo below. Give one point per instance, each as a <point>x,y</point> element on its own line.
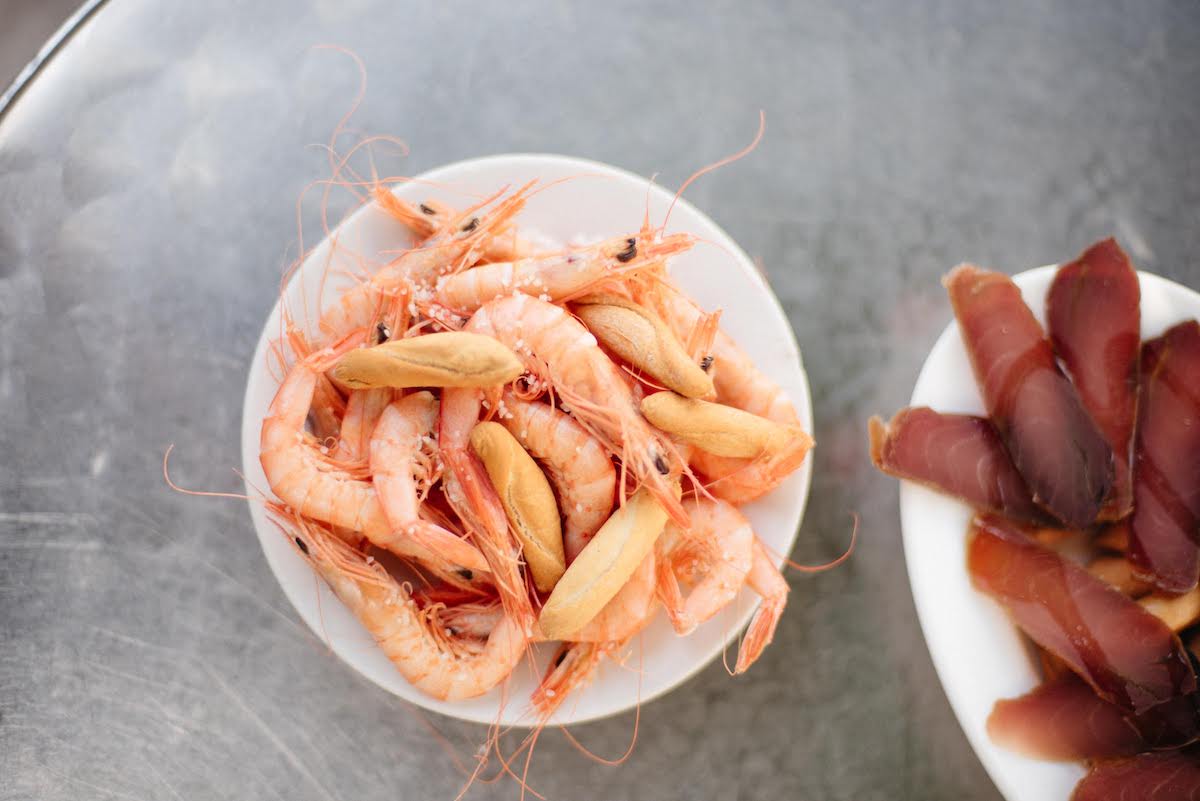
<point>766,580</point>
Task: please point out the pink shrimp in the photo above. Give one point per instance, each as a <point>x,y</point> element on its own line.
<point>766,580</point>
<point>297,471</point>
<point>404,428</point>
<point>714,555</point>
<point>575,462</point>
<point>560,350</point>
<point>434,661</point>
<point>471,494</point>
<point>455,247</point>
<point>430,216</point>
<point>558,276</point>
<point>316,485</point>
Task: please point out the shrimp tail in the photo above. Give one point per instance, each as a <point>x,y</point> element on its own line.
<point>765,579</point>
<point>759,633</point>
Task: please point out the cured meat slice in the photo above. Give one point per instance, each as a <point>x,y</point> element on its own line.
<point>1173,776</point>
<point>1128,656</point>
<point>957,454</point>
<point>1054,443</point>
<point>1165,525</point>
<point>1093,317</point>
<point>1065,720</point>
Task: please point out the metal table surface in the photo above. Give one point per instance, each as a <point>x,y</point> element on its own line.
<point>148,182</point>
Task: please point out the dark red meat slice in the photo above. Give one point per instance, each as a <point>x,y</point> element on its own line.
<point>1172,776</point>
<point>1165,526</point>
<point>1093,316</point>
<point>957,454</point>
<point>1128,656</point>
<point>1055,445</point>
<point>1065,720</point>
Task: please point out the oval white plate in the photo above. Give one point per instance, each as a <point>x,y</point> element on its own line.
<point>599,201</point>
<point>979,654</point>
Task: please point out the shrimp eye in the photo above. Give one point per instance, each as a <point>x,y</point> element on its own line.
<point>382,333</point>
<point>427,210</point>
<point>706,363</point>
<point>466,574</point>
<point>660,464</point>
<point>629,252</point>
<point>470,225</point>
<point>300,544</point>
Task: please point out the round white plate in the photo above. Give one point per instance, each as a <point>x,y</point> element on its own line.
<point>598,201</point>
<point>979,654</point>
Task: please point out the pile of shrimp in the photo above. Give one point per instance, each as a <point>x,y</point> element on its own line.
<point>364,478</point>
<point>356,472</point>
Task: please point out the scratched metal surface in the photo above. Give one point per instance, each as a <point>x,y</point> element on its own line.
<point>148,178</point>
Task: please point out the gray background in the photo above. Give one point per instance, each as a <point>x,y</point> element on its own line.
<point>148,178</point>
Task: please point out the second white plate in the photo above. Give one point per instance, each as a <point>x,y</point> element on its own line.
<point>979,654</point>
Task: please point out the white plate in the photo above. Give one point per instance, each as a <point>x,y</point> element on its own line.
<point>601,201</point>
<point>978,652</point>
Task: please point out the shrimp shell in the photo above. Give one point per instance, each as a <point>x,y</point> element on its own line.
<point>415,642</point>
<point>715,554</point>
<point>557,276</point>
<point>403,429</point>
<point>575,462</point>
<point>766,580</point>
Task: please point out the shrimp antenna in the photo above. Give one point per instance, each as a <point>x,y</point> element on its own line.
<point>839,560</point>
<point>201,493</point>
<point>646,215</point>
<point>637,719</point>
<point>762,126</point>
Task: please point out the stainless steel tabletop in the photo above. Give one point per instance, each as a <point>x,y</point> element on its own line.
<point>148,180</point>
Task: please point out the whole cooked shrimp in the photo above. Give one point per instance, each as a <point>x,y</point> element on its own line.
<point>429,217</point>
<point>575,462</point>
<point>561,351</point>
<point>404,430</point>
<point>557,276</point>
<point>472,496</point>
<point>454,247</point>
<point>317,485</point>
<point>765,579</point>
<point>416,642</point>
<point>739,384</point>
<point>714,555</point>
